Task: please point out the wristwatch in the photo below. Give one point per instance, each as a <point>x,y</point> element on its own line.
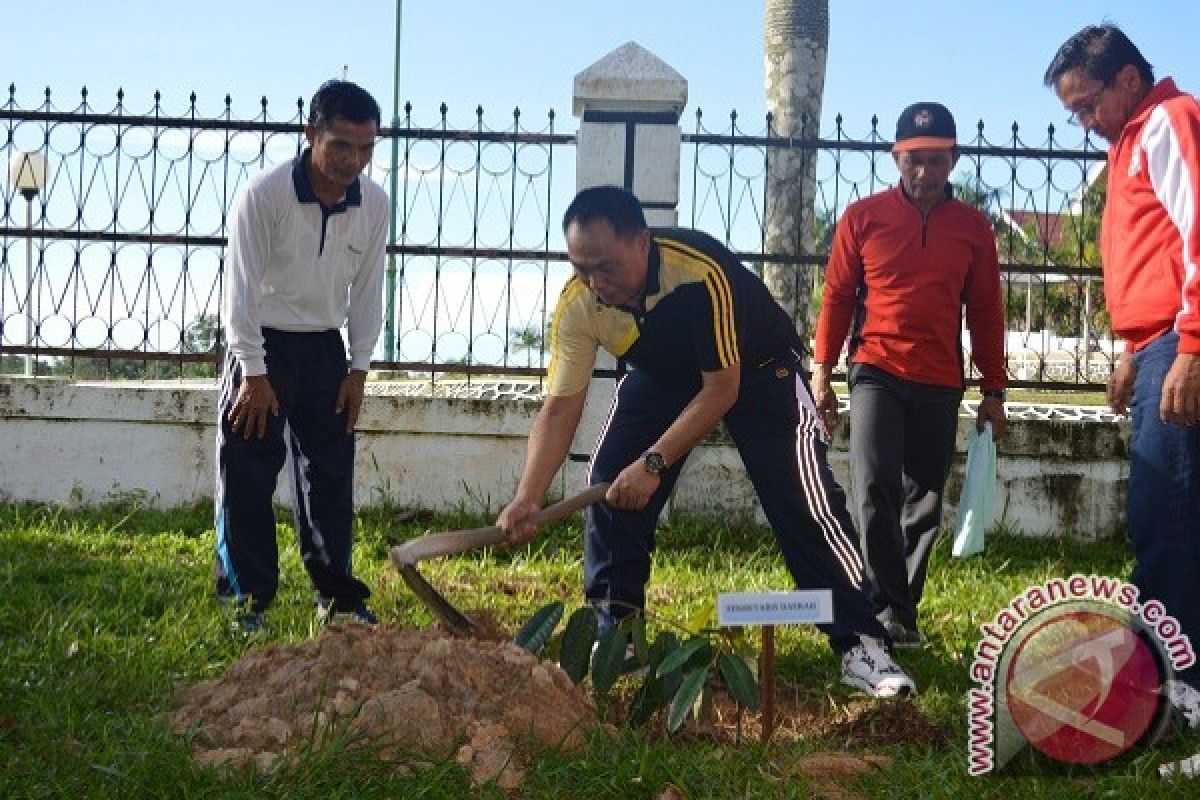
<point>654,463</point>
<point>996,393</point>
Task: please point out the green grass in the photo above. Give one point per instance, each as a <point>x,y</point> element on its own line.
<point>104,613</point>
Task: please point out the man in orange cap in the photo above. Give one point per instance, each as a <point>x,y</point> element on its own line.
<point>904,265</point>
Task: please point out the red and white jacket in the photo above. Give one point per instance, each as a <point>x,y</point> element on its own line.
<point>1150,236</point>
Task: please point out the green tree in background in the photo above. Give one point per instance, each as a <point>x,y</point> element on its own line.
<point>202,335</point>
<point>1036,303</point>
<point>529,340</point>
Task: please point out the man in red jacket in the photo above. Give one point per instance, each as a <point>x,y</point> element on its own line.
<point>1150,246</point>
<point>904,264</point>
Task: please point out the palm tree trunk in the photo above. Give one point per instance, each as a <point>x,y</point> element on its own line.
<point>796,44</point>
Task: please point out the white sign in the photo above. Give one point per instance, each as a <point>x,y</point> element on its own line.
<point>775,608</point>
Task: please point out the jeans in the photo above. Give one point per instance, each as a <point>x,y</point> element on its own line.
<point>1163,503</point>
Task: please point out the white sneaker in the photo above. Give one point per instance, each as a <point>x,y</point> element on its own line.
<point>1185,700</point>
<point>869,666</point>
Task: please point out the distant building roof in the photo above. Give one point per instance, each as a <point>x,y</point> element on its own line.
<point>1047,227</point>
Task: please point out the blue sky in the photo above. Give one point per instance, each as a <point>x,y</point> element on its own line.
<point>984,60</point>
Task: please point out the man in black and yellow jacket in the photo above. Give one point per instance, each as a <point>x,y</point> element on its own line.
<point>707,343</point>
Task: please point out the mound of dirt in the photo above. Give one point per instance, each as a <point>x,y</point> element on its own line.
<point>874,724</point>
<point>401,691</point>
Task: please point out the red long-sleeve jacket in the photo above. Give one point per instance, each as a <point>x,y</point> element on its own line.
<point>918,274</point>
<point>1150,236</point>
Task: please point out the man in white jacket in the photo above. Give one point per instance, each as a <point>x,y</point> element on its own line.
<point>305,256</point>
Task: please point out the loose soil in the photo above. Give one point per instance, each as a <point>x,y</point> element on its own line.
<point>804,715</point>
<point>419,697</point>
<point>413,696</point>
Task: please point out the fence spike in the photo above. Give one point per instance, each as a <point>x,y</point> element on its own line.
<point>120,123</point>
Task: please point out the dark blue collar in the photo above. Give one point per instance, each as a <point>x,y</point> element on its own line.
<point>304,189</point>
<point>651,286</point>
<point>652,267</point>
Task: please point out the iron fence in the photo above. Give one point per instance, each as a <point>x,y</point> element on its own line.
<point>114,268</point>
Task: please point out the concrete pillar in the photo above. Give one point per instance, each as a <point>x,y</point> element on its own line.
<point>629,103</point>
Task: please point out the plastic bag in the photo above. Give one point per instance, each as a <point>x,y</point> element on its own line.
<point>977,504</point>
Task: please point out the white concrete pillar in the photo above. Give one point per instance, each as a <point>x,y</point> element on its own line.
<point>630,102</point>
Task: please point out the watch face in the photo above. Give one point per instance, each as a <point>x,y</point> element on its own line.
<point>655,463</point>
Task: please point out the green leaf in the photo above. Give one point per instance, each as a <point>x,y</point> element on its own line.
<point>749,655</point>
<point>679,656</point>
<point>706,656</point>
<point>649,698</point>
<point>738,680</point>
<point>685,698</point>
<point>577,641</point>
<point>537,631</point>
<point>663,645</point>
<point>641,645</point>
<point>553,649</point>
<point>608,659</point>
<point>702,699</point>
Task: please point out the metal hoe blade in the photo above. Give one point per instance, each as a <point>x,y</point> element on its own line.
<point>455,621</point>
<point>405,556</point>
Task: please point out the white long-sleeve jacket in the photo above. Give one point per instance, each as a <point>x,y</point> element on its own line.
<point>292,266</point>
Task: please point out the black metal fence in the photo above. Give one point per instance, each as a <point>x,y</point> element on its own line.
<point>113,268</point>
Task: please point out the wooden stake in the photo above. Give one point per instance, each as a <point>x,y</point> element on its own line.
<point>766,682</point>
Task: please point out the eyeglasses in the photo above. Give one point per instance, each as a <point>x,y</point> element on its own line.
<point>1088,107</point>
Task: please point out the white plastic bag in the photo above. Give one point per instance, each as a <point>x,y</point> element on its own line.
<point>977,504</point>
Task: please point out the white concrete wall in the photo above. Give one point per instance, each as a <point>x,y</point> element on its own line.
<point>71,444</point>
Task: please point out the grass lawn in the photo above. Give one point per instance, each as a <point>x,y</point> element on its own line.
<point>104,613</point>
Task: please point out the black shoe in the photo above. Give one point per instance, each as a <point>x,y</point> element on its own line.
<point>902,637</point>
<point>250,623</point>
<point>328,612</point>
